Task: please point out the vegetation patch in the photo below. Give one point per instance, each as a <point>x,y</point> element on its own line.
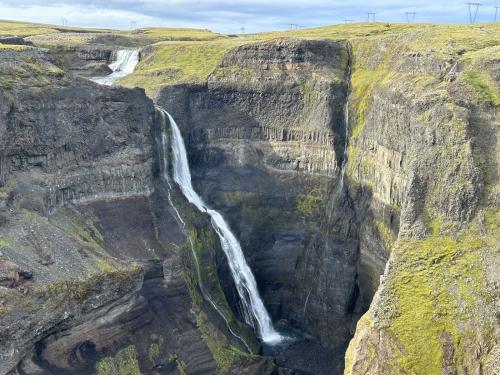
<point>12,28</point>
<point>80,225</point>
<point>174,62</point>
<point>482,85</point>
<point>181,365</point>
<point>310,203</point>
<point>227,356</point>
<point>123,363</point>
<point>154,352</point>
<point>385,234</point>
<point>157,34</point>
<point>121,279</point>
<point>438,284</point>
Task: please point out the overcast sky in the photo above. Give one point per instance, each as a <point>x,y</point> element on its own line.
<point>229,16</point>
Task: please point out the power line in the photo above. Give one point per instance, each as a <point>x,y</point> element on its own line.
<point>410,17</point>
<point>348,21</point>
<point>370,15</point>
<point>473,8</point>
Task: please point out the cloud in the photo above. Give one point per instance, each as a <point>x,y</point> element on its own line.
<point>229,16</point>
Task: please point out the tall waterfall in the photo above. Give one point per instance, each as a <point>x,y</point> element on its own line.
<point>254,311</point>
<point>126,60</point>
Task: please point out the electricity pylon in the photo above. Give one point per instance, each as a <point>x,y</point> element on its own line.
<point>473,8</point>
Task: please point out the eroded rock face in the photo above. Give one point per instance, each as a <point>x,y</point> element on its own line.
<point>422,157</point>
<point>265,138</point>
<point>75,142</point>
<point>89,260</point>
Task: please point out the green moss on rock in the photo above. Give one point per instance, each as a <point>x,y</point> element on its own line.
<point>310,203</point>
<point>483,86</point>
<point>123,363</point>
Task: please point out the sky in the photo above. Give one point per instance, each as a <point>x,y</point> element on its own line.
<point>230,16</point>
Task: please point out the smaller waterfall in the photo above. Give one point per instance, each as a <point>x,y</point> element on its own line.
<point>344,159</point>
<point>254,311</point>
<point>126,60</point>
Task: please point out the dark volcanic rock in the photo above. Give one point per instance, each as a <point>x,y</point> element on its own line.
<point>16,40</point>
<point>84,142</point>
<point>89,259</point>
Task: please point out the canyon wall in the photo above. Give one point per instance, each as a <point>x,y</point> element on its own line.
<point>266,137</point>
<point>424,148</point>
<point>94,263</point>
<point>89,267</point>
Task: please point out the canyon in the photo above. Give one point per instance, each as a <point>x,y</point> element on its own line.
<point>357,174</point>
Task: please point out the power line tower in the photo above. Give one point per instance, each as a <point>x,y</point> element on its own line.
<point>294,26</point>
<point>133,25</point>
<point>370,16</point>
<point>496,13</point>
<point>243,29</point>
<point>410,17</point>
<point>64,22</point>
<point>348,21</point>
<point>473,8</point>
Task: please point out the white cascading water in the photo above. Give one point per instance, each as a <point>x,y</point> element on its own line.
<point>344,160</point>
<point>126,60</point>
<point>204,292</point>
<point>254,311</point>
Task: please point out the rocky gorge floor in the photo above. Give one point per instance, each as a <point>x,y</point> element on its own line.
<point>359,173</point>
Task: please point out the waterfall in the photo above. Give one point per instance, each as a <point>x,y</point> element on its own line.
<point>126,60</point>
<point>344,159</point>
<point>254,311</point>
<point>204,292</point>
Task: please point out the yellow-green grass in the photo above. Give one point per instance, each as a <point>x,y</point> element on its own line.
<point>427,305</point>
<point>177,62</point>
<point>13,47</point>
<point>483,86</point>
<point>438,298</point>
<point>122,363</point>
<point>158,34</point>
<point>13,28</point>
<point>51,35</point>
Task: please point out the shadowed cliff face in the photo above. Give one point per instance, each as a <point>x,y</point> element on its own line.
<point>89,260</point>
<point>73,141</point>
<point>266,141</point>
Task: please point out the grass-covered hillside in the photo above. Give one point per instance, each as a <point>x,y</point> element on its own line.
<point>65,36</point>
<point>374,47</point>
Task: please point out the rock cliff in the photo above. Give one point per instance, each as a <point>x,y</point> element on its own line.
<point>358,171</point>
<point>266,138</point>
<point>423,148</point>
<point>88,260</point>
<point>420,191</point>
